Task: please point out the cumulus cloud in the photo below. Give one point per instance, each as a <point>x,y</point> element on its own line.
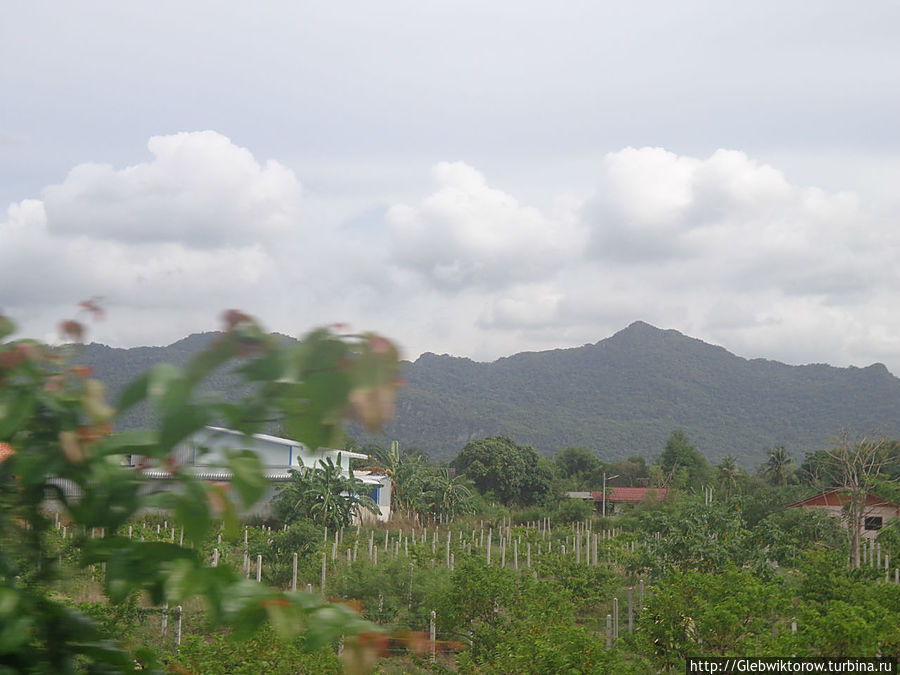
<point>199,228</point>
<point>39,267</point>
<point>723,248</point>
<point>469,233</point>
<point>199,189</point>
<point>749,225</point>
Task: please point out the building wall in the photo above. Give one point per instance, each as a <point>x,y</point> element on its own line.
<point>209,448</point>
<point>885,512</point>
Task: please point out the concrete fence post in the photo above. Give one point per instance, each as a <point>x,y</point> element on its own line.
<point>432,634</point>
<point>616,618</point>
<point>178,612</point>
<point>630,610</point>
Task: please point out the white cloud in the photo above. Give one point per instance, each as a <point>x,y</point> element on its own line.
<point>468,233</point>
<point>750,227</point>
<point>199,189</point>
<point>197,229</point>
<point>724,248</point>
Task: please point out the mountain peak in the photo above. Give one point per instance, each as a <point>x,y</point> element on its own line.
<point>639,327</point>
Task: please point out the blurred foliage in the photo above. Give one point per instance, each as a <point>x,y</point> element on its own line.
<point>55,418</point>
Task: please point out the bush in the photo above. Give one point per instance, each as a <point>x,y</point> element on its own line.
<point>573,511</point>
<point>263,653</point>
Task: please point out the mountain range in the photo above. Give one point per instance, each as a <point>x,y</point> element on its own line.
<point>620,397</point>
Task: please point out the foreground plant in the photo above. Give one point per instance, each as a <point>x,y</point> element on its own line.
<point>56,431</point>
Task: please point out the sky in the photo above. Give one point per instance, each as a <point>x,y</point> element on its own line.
<point>473,178</point>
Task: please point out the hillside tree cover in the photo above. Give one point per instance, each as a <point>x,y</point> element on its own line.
<point>621,397</point>
<point>54,416</point>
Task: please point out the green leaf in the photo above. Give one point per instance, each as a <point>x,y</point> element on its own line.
<point>192,509</point>
<point>128,442</point>
<point>15,633</point>
<point>203,364</point>
<point>133,393</point>
<point>268,367</point>
<point>180,424</point>
<point>248,478</point>
<point>16,407</point>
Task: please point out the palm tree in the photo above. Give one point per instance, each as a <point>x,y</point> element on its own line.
<point>777,465</point>
<point>408,476</point>
<point>448,497</point>
<point>728,472</point>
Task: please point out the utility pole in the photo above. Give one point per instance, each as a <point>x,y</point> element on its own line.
<point>604,490</point>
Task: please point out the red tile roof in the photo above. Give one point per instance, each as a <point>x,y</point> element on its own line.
<point>5,451</point>
<point>631,494</point>
<point>837,497</point>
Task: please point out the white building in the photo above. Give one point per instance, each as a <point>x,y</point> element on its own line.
<point>205,454</point>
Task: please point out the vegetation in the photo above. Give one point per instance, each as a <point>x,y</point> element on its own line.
<point>420,489</point>
<point>513,474</point>
<point>56,421</point>
<point>324,496</point>
<point>488,552</point>
<point>621,397</point>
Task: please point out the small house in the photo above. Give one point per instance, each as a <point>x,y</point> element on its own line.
<point>876,513</point>
<point>619,497</point>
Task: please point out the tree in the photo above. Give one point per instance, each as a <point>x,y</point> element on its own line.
<point>858,471</point>
<point>406,473</point>
<point>682,465</point>
<point>631,472</point>
<point>693,535</point>
<point>576,463</point>
<point>728,474</point>
<point>778,464</point>
<point>54,418</point>
<point>723,613</point>
<point>817,469</point>
<point>513,473</point>
<point>449,497</point>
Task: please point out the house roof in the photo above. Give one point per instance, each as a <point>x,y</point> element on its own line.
<point>5,451</point>
<point>284,441</point>
<point>839,497</point>
<point>224,475</point>
<point>631,494</point>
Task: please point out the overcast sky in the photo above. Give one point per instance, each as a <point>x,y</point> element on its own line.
<point>475,178</point>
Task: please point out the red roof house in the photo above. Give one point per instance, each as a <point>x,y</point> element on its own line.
<point>876,514</point>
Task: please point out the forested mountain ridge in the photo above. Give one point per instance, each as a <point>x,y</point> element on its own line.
<point>621,397</point>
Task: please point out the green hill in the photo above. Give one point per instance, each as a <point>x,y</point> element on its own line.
<point>621,396</point>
